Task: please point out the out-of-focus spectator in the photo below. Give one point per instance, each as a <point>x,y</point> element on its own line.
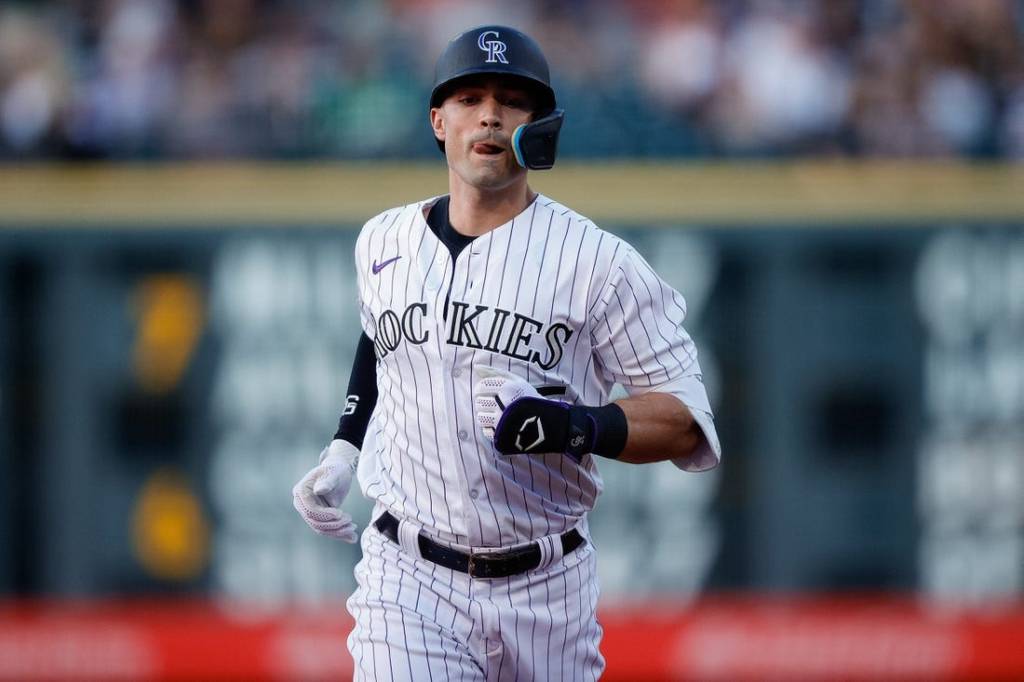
<point>267,78</point>
<point>681,65</point>
<point>883,117</point>
<point>125,87</point>
<point>34,83</point>
<point>781,87</point>
<point>937,79</point>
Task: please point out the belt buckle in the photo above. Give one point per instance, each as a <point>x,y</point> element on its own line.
<point>477,570</point>
<point>483,569</point>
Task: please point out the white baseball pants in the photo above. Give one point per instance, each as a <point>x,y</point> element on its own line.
<point>419,621</point>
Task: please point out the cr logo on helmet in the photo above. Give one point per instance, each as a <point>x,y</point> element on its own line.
<point>495,49</point>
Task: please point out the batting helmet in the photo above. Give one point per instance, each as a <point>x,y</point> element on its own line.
<point>505,51</point>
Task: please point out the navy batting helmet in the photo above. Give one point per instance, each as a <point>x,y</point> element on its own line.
<point>505,51</point>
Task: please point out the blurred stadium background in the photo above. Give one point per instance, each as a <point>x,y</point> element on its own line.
<point>836,187</point>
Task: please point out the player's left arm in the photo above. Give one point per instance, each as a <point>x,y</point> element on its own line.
<point>639,343</point>
<point>652,427</point>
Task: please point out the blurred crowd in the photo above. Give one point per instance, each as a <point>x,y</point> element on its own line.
<point>155,79</point>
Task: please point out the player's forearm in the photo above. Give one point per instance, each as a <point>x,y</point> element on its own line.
<point>362,394</point>
<point>660,428</point>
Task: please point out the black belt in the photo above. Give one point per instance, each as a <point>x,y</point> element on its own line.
<point>490,565</point>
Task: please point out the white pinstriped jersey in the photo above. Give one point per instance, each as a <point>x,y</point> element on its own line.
<point>548,296</point>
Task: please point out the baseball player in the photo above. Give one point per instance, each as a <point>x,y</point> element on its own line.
<point>495,323</point>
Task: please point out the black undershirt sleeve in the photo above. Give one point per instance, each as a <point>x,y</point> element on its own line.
<point>362,394</point>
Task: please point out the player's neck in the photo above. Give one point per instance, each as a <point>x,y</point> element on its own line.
<point>474,212</point>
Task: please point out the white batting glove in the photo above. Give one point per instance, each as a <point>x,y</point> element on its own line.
<point>319,493</point>
<point>495,390</point>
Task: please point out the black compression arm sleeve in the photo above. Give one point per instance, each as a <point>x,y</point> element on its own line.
<point>362,394</point>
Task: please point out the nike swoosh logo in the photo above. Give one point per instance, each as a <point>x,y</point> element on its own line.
<point>377,267</point>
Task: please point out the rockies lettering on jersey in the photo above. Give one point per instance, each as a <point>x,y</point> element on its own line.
<point>548,296</point>
<point>465,330</point>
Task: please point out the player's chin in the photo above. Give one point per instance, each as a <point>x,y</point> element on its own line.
<point>494,173</point>
<point>490,180</point>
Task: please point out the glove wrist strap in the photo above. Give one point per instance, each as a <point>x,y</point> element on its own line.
<point>346,452</point>
<point>598,430</point>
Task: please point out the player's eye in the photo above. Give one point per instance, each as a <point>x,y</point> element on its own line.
<point>515,101</point>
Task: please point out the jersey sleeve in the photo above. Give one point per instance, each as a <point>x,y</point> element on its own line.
<point>640,343</point>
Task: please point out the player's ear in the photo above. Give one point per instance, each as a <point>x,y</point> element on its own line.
<point>437,123</point>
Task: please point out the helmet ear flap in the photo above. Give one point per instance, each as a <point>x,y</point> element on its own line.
<point>535,144</point>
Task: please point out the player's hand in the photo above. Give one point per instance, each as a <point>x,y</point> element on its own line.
<point>513,414</point>
<point>317,496</point>
<point>495,390</point>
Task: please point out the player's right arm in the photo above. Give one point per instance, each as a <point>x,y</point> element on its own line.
<point>321,491</point>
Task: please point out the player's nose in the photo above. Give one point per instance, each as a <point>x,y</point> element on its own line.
<point>490,110</point>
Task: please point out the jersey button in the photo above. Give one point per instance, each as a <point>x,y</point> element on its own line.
<point>473,493</point>
<point>463,435</point>
<point>456,373</point>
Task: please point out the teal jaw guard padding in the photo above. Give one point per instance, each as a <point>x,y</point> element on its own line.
<point>535,144</point>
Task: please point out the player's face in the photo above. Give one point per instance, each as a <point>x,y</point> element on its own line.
<point>476,122</point>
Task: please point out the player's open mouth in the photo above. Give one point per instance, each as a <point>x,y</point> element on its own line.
<point>487,148</point>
